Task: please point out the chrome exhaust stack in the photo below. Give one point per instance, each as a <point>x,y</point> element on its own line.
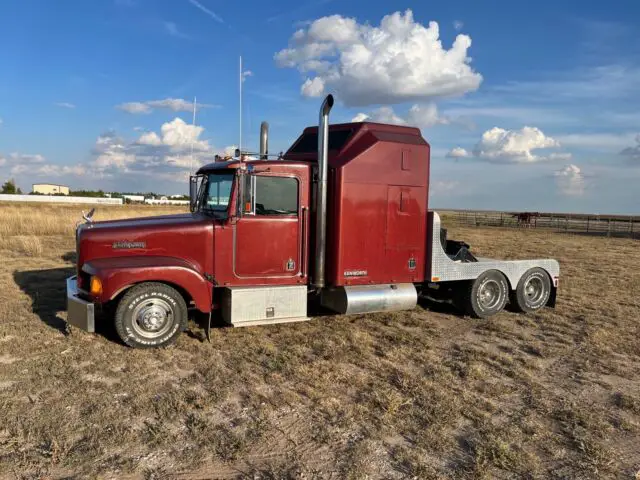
<point>264,140</point>
<point>321,197</point>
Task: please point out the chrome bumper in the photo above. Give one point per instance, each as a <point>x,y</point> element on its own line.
<point>80,313</point>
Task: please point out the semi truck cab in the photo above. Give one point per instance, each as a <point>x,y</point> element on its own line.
<point>342,216</point>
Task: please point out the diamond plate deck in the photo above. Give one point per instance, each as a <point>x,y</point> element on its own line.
<point>440,268</point>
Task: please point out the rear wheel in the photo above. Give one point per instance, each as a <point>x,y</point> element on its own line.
<point>150,315</point>
<point>485,296</point>
<point>532,292</point>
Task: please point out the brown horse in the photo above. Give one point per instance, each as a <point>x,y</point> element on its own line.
<point>524,218</point>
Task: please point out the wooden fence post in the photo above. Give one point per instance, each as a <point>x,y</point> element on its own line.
<point>608,227</point>
<point>587,224</point>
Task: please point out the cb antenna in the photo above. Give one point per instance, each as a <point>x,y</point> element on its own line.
<point>240,90</point>
<point>193,124</point>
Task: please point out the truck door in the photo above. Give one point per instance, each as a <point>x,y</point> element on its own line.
<point>269,235</point>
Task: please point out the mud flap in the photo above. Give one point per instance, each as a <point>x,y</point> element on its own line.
<point>208,332</point>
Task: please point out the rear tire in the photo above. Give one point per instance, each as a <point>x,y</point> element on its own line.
<point>533,291</point>
<point>485,296</point>
<point>150,315</point>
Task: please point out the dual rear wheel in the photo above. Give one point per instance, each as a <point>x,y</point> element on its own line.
<point>489,293</point>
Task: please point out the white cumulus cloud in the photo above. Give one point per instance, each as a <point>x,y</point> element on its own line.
<point>457,152</point>
<point>399,61</point>
<point>164,155</point>
<point>176,134</point>
<point>381,115</point>
<point>516,146</point>
<point>422,116</point>
<point>570,180</point>
<point>36,165</point>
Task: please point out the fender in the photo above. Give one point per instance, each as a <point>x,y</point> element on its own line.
<point>118,274</point>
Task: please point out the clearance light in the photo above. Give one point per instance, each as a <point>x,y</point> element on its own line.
<point>96,287</point>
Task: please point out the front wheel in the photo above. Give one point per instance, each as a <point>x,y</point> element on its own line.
<point>150,315</point>
<point>484,296</point>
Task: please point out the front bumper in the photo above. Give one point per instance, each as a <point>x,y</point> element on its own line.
<point>80,313</point>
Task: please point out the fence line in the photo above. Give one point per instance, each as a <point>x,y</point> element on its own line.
<point>597,225</point>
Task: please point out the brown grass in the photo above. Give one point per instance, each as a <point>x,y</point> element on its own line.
<point>420,394</point>
<point>54,219</point>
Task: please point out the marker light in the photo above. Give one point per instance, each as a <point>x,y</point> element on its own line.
<point>96,287</point>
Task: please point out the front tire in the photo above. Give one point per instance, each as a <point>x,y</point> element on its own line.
<point>532,292</point>
<point>485,296</point>
<point>150,315</point>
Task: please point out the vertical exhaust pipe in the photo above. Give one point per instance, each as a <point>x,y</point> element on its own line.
<point>264,140</point>
<point>321,197</point>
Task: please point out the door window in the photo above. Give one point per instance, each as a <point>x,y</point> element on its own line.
<point>270,196</point>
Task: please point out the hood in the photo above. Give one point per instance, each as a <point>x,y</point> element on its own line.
<point>185,236</point>
<point>180,218</point>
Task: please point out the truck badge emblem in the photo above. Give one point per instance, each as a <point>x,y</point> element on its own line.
<point>412,263</point>
<point>355,273</point>
<point>124,245</point>
<point>291,265</point>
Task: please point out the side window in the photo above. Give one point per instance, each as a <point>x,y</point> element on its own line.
<point>271,195</point>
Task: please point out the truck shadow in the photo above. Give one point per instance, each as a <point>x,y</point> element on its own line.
<point>47,289</point>
<point>48,292</point>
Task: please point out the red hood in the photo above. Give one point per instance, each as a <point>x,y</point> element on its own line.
<point>186,236</point>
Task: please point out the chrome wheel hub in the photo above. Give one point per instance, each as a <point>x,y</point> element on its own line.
<point>489,295</point>
<point>153,318</point>
<point>534,290</point>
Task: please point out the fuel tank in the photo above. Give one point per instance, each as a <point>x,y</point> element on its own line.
<point>370,298</point>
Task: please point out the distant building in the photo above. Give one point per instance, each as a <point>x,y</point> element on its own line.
<point>133,198</point>
<point>50,189</point>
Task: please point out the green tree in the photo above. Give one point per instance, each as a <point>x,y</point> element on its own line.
<point>10,187</point>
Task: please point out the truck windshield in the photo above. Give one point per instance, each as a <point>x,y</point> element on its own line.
<point>217,193</point>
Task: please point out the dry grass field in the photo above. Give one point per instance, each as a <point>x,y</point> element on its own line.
<point>421,394</point>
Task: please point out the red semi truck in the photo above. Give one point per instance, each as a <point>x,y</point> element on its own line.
<point>341,217</point>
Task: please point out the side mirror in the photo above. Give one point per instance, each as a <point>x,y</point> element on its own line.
<point>193,193</point>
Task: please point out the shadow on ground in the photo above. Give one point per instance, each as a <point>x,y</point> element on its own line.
<point>47,289</point>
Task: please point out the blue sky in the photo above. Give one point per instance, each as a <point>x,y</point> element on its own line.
<point>526,106</point>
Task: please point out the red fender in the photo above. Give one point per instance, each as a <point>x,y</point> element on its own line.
<point>118,274</point>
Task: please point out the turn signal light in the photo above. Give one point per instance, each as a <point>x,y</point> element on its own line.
<point>95,288</point>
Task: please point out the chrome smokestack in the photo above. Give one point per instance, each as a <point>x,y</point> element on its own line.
<point>264,140</point>
<point>321,197</point>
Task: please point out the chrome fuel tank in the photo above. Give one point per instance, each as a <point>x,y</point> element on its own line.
<point>370,298</point>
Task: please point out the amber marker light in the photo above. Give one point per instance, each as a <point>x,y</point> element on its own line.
<point>95,288</point>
